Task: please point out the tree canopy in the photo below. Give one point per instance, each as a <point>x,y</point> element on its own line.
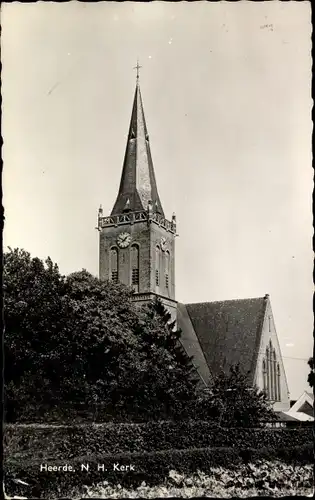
<point>311,375</point>
<point>79,341</point>
<point>233,402</point>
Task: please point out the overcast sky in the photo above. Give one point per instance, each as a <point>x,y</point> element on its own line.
<point>226,89</point>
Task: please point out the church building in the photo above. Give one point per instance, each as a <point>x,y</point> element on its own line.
<point>137,248</point>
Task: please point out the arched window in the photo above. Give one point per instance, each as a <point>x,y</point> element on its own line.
<point>268,372</point>
<point>272,378</point>
<point>167,269</point>
<point>278,383</point>
<point>134,259</point>
<point>157,265</point>
<point>264,376</point>
<point>274,370</point>
<point>271,374</point>
<point>114,265</point>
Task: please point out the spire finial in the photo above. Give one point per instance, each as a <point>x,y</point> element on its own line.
<point>137,68</point>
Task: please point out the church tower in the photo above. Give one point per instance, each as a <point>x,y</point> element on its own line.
<point>137,242</point>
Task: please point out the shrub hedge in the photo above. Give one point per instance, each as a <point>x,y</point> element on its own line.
<point>151,467</point>
<point>153,449</point>
<point>66,442</point>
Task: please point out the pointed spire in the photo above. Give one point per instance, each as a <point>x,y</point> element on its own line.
<point>138,184</point>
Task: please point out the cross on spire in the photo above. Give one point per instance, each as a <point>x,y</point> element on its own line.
<point>137,68</point>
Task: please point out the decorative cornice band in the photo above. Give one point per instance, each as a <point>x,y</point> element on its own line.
<point>132,217</point>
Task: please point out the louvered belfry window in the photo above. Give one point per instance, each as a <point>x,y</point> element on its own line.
<point>167,269</point>
<point>135,277</point>
<point>134,258</point>
<point>271,374</point>
<point>157,265</point>
<point>166,281</point>
<point>114,265</point>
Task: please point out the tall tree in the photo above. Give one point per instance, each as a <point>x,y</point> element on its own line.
<point>33,314</point>
<point>311,375</point>
<point>233,402</point>
<point>169,379</point>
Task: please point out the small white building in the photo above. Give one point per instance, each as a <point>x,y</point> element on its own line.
<point>303,408</point>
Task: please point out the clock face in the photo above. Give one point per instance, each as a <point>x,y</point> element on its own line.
<point>123,240</point>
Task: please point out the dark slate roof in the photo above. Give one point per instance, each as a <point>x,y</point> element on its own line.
<point>138,184</point>
<point>191,344</point>
<point>229,332</point>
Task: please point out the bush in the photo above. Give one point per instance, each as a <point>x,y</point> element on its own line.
<point>153,468</point>
<point>70,441</point>
<point>302,454</point>
<point>246,480</point>
<point>150,467</point>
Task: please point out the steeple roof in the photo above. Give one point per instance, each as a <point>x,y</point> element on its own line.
<point>138,184</point>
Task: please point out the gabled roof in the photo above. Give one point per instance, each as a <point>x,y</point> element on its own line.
<point>138,184</point>
<point>299,416</point>
<point>229,332</point>
<point>306,397</point>
<point>191,344</point>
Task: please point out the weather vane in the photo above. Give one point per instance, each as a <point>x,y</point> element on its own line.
<point>137,68</point>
